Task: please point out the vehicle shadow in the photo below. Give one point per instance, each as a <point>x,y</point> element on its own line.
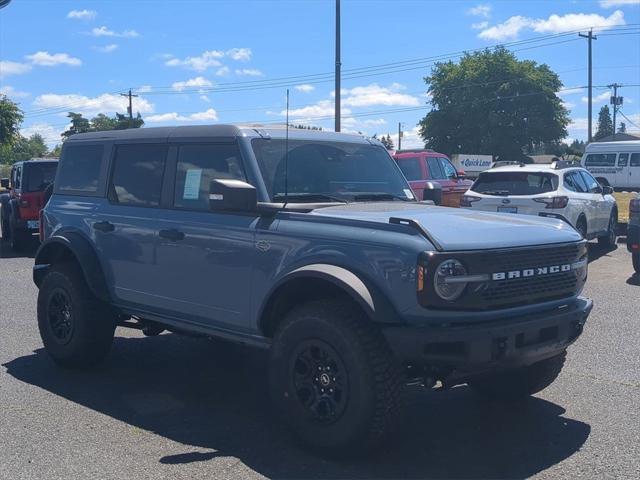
<point>212,398</point>
<point>634,280</point>
<point>29,250</point>
<point>597,251</point>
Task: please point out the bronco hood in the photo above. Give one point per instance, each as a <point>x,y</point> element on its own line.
<point>461,229</point>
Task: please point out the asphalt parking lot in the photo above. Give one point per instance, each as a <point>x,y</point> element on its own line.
<point>175,407</point>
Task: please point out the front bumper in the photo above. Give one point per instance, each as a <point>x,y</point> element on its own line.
<point>633,238</point>
<point>468,350</point>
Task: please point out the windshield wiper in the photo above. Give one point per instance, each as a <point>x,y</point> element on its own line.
<point>307,197</point>
<point>379,196</point>
<point>501,193</point>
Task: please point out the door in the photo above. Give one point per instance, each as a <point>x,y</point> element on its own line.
<point>436,173</point>
<point>125,225</point>
<point>205,258</point>
<point>457,186</point>
<point>415,173</point>
<point>622,175</point>
<point>634,171</point>
<point>599,207</point>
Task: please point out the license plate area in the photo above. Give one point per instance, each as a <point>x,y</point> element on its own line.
<point>508,209</point>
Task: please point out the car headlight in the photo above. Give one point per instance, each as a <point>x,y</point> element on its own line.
<point>450,280</point>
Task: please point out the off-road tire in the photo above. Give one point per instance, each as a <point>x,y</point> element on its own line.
<point>372,376</point>
<point>91,322</point>
<point>635,258</point>
<point>519,383</point>
<point>18,237</point>
<point>609,240</point>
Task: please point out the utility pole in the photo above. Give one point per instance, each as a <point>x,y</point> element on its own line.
<point>338,65</point>
<point>590,37</point>
<point>399,136</point>
<point>130,107</point>
<point>616,101</point>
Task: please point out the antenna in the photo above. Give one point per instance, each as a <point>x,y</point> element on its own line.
<point>286,155</point>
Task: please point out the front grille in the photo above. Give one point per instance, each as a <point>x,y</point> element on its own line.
<point>511,292</point>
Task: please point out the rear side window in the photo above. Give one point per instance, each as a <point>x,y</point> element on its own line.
<point>40,175</point>
<point>410,166</point>
<point>137,176</point>
<point>515,183</point>
<point>592,184</point>
<point>448,169</point>
<point>600,160</point>
<point>435,169</point>
<point>635,160</point>
<point>580,182</point>
<point>79,169</point>
<point>197,166</point>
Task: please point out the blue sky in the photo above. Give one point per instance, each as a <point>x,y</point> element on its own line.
<point>190,61</point>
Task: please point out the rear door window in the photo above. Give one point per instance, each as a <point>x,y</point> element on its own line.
<point>137,176</point>
<point>579,182</point>
<point>515,183</point>
<point>592,184</point>
<point>40,176</point>
<point>79,169</point>
<point>197,166</point>
<point>435,169</point>
<point>600,160</point>
<point>635,160</point>
<point>411,167</point>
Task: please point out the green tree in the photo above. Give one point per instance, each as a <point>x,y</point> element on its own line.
<point>79,124</point>
<point>23,148</point>
<point>101,122</point>
<point>492,103</point>
<point>605,124</point>
<point>57,150</point>
<point>387,142</point>
<point>10,119</point>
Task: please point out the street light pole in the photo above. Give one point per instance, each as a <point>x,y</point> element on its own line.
<point>590,37</point>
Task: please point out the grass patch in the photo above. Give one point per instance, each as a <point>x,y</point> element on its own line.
<point>623,199</point>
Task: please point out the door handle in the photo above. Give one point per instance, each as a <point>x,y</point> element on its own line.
<point>104,226</point>
<point>171,234</point>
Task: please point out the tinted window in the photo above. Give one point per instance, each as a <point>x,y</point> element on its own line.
<point>592,184</point>
<point>570,182</point>
<point>411,168</point>
<point>601,160</point>
<point>447,168</point>
<point>515,183</point>
<point>623,158</point>
<point>338,169</point>
<point>137,175</point>
<point>197,166</point>
<point>18,177</point>
<point>635,160</point>
<point>435,169</point>
<point>40,175</point>
<point>80,168</point>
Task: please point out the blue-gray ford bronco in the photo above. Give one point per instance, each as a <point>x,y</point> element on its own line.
<point>312,246</point>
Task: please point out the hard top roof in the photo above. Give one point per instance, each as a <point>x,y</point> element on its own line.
<point>213,131</point>
<point>38,160</point>
<point>612,146</point>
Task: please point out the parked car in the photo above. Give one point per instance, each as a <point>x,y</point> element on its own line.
<point>20,207</point>
<point>559,190</point>
<point>633,232</point>
<point>312,246</point>
<point>420,167</point>
<point>615,164</point>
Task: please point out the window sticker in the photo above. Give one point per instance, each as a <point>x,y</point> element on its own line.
<point>192,184</point>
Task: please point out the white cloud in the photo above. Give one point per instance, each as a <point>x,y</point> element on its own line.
<point>208,115</point>
<point>46,59</point>
<point>144,89</point>
<point>410,139</point>
<point>50,134</point>
<point>306,88</point>
<point>482,10</point>
<point>223,71</point>
<point>374,94</point>
<point>13,68</point>
<point>251,72</point>
<point>107,48</point>
<point>554,24</point>
<point>375,121</point>
<point>568,105</point>
<point>240,54</point>
<point>598,98</point>
<point>106,32</point>
<point>480,25</point>
<point>11,92</point>
<point>570,91</point>
<point>192,82</point>
<point>207,59</point>
<point>105,103</point>
<point>323,108</point>
<point>618,3</point>
<point>577,128</point>
<point>205,98</point>
<point>82,14</point>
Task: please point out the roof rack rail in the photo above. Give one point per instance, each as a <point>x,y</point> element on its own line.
<point>506,163</point>
<point>562,164</point>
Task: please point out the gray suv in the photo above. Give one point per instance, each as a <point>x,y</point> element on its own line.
<point>310,245</point>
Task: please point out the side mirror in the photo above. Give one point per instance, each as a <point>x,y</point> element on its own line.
<point>232,196</point>
<point>461,174</point>
<point>4,183</point>
<point>607,190</point>
<point>433,192</point>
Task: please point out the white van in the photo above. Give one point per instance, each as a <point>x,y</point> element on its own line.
<point>614,163</point>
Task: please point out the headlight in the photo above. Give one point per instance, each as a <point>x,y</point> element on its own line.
<point>445,283</point>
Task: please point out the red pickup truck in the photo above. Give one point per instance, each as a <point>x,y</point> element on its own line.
<point>20,207</point>
<point>423,166</point>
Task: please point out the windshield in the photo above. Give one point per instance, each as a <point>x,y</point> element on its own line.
<point>329,171</point>
<point>40,175</point>
<point>515,183</point>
